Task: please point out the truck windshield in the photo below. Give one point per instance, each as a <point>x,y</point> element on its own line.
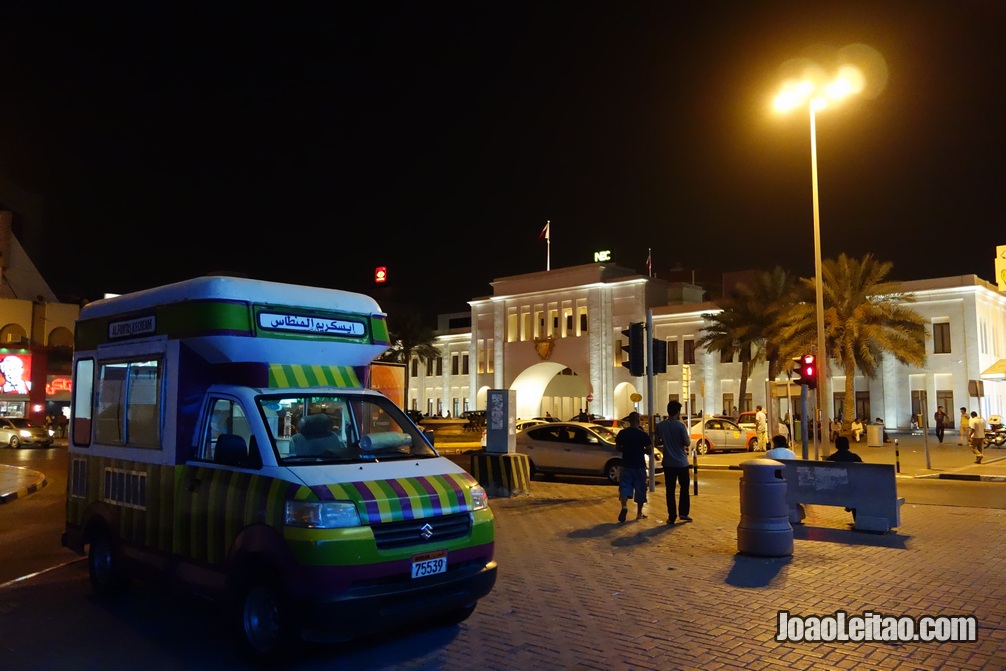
<point>345,428</point>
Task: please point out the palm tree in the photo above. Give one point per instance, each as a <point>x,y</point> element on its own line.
<point>864,319</point>
<point>749,323</point>
<point>410,337</point>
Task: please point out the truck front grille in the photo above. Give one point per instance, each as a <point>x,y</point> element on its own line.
<point>391,535</point>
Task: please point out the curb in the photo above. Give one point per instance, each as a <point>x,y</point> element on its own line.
<point>25,491</point>
<point>966,476</point>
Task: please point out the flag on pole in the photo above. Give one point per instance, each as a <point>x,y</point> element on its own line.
<point>649,262</point>
<point>544,231</point>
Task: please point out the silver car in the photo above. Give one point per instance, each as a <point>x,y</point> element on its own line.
<point>20,431</point>
<point>575,448</point>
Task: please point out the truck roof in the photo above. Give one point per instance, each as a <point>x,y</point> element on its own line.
<point>231,320</point>
<point>233,288</point>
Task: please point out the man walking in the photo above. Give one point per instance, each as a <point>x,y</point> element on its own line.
<point>761,428</point>
<point>965,437</point>
<point>977,427</point>
<point>674,436</point>
<point>632,481</point>
<point>941,422</point>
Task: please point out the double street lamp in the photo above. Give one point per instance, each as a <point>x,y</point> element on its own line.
<point>816,93</point>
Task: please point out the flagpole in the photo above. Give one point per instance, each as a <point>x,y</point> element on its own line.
<point>548,245</point>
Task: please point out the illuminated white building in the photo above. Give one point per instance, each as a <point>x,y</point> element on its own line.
<point>556,338</point>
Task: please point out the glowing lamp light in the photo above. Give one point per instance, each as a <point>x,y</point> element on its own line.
<point>381,275</point>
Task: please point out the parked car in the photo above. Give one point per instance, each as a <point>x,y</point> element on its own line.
<point>521,425</point>
<point>746,420</point>
<point>615,424</point>
<point>22,432</point>
<point>575,448</point>
<point>722,435</point>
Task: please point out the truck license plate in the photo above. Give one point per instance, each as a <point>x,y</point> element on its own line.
<point>429,563</point>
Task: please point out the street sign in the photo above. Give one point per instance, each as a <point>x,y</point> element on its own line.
<point>590,397</point>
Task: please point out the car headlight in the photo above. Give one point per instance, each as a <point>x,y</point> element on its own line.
<point>322,514</point>
<point>480,500</point>
<point>25,433</point>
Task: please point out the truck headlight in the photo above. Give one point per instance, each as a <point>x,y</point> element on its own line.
<point>322,514</point>
<point>480,500</point>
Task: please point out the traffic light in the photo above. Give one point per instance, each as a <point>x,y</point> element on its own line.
<point>808,370</point>
<point>659,357</point>
<point>635,335</point>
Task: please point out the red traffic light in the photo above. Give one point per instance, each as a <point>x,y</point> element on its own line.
<point>808,370</point>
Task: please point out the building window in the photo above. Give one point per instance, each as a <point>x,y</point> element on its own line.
<point>728,404</point>
<point>440,365</point>
<point>512,333</point>
<point>672,352</point>
<point>583,320</point>
<point>689,351</point>
<point>525,323</point>
<point>727,355</point>
<point>490,355</point>
<point>415,366</point>
<point>429,367</point>
<point>464,365</point>
<point>941,338</point>
<point>480,352</point>
<point>455,363</point>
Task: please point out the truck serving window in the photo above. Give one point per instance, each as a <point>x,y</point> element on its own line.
<point>127,404</point>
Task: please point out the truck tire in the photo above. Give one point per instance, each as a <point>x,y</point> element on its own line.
<point>262,619</point>
<point>104,566</point>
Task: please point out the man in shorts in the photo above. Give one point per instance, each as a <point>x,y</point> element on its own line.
<point>633,443</point>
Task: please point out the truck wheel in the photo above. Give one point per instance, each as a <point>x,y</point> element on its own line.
<point>262,620</point>
<point>104,567</point>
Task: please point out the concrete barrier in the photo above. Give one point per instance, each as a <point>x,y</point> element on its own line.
<point>870,490</point>
<point>502,475</point>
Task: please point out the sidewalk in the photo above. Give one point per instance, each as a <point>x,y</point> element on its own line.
<point>946,461</point>
<point>16,482</point>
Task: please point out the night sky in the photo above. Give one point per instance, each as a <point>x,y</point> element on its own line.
<point>312,142</point>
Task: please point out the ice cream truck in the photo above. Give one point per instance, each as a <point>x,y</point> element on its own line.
<point>224,439</point>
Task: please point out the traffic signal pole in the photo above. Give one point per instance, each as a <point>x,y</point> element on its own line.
<point>803,420</point>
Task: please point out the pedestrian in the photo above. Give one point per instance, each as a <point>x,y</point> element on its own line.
<point>965,437</point>
<point>941,422</point>
<point>976,425</point>
<point>632,442</point>
<point>842,451</point>
<point>674,437</point>
<point>582,416</point>
<point>880,422</point>
<point>836,428</point>
<point>857,429</point>
<point>761,428</point>
<point>780,448</point>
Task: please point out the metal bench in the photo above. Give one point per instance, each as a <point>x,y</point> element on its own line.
<point>870,489</point>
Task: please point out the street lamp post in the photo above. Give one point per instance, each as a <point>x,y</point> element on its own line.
<point>816,95</point>
<point>822,353</point>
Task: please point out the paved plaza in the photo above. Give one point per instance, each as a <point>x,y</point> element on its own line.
<point>577,590</point>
